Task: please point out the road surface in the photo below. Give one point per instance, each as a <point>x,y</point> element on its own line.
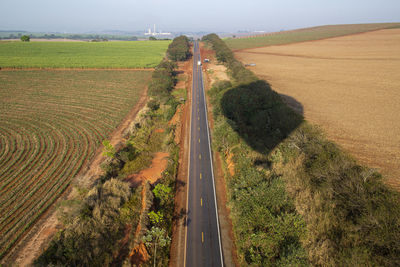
<point>203,242</point>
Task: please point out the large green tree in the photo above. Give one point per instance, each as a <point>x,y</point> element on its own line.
<point>156,237</point>
<point>25,38</point>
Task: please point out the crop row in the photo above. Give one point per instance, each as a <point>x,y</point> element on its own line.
<point>141,54</point>
<point>50,132</point>
<point>39,185</point>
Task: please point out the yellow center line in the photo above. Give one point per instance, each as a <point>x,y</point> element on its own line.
<point>198,118</point>
<point>199,156</point>
<point>198,128</point>
<point>200,176</point>
<point>202,237</point>
<point>199,140</point>
<point>201,202</point>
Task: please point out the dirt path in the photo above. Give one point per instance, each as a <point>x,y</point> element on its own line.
<point>178,225</point>
<point>139,254</point>
<point>37,239</point>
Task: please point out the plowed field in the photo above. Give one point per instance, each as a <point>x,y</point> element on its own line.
<point>51,123</point>
<point>350,86</point>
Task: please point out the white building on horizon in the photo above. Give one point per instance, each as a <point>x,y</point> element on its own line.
<point>155,33</point>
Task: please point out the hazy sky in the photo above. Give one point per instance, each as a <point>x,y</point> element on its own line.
<point>189,15</point>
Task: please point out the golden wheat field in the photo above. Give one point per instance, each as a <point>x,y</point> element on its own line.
<point>349,85</point>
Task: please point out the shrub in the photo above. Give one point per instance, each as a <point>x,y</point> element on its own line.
<point>153,104</point>
<point>25,38</point>
<point>90,239</point>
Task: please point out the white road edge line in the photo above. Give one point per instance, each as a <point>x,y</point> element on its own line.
<point>211,160</point>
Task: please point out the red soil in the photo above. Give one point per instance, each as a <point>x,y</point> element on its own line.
<point>152,174</point>
<point>178,225</point>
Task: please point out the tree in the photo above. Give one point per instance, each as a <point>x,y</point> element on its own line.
<point>179,49</point>
<point>25,38</point>
<point>162,192</point>
<point>109,150</point>
<point>157,237</point>
<point>156,218</point>
<point>152,38</point>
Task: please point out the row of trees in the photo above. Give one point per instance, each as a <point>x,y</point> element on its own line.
<point>163,80</point>
<point>179,49</point>
<point>225,55</point>
<point>314,203</point>
<point>250,120</point>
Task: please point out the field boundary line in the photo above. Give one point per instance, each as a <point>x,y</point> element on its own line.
<point>74,69</point>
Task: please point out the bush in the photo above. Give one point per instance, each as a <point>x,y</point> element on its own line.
<point>173,104</point>
<point>25,38</point>
<point>153,104</point>
<point>91,238</point>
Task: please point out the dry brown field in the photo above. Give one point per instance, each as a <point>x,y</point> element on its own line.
<point>349,85</point>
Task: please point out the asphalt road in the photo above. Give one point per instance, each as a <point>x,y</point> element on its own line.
<point>203,243</point>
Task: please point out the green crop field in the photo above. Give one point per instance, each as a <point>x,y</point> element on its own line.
<point>137,54</point>
<point>51,123</point>
<point>307,34</point>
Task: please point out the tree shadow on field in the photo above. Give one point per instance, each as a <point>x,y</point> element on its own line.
<point>261,116</point>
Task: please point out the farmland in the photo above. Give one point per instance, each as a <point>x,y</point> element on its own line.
<point>348,85</point>
<point>138,54</point>
<point>307,34</point>
<point>51,123</point>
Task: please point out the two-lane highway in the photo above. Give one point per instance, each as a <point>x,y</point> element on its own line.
<point>203,241</point>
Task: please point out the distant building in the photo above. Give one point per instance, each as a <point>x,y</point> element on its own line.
<point>155,33</point>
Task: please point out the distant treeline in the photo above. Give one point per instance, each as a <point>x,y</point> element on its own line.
<point>179,49</point>
<point>17,35</point>
<point>296,199</point>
